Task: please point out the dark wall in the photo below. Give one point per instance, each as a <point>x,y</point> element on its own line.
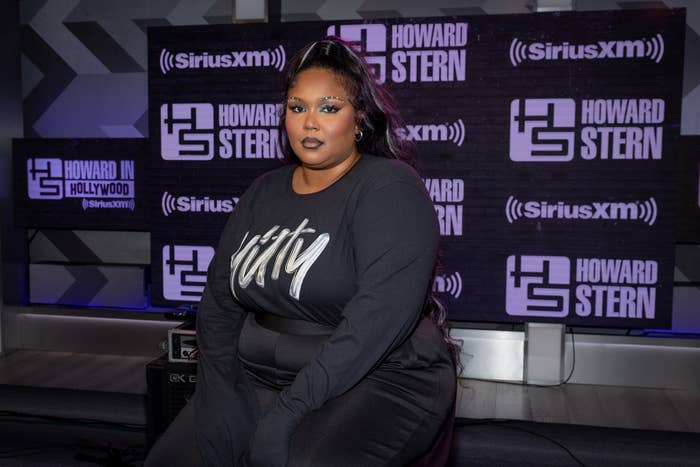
<point>12,252</point>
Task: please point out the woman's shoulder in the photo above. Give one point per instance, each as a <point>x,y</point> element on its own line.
<point>378,172</point>
<point>272,180</point>
<point>276,174</point>
<point>392,189</point>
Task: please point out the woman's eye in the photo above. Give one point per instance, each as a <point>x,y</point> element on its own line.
<point>295,109</point>
<point>331,109</point>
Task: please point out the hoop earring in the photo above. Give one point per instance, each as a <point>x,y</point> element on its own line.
<point>358,136</point>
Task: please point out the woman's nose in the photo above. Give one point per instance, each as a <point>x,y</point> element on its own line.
<point>310,122</point>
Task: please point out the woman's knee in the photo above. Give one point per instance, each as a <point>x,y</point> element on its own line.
<point>177,445</point>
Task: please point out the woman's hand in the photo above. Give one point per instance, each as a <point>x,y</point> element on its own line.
<point>269,446</point>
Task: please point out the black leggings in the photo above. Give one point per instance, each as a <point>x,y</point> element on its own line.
<point>390,418</point>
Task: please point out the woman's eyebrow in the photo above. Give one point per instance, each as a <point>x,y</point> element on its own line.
<point>323,98</point>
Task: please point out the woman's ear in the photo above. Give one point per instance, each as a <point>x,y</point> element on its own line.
<point>359,120</point>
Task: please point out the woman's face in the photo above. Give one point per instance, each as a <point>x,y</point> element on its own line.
<point>320,120</point>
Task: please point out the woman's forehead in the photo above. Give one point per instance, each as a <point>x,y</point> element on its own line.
<point>318,82</point>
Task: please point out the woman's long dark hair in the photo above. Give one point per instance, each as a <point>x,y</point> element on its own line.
<point>379,125</point>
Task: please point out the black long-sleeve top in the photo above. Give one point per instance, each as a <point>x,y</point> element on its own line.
<point>357,256</point>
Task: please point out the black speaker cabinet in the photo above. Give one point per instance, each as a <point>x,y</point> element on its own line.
<point>169,386</point>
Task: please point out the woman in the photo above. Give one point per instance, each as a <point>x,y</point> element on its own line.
<point>314,344</point>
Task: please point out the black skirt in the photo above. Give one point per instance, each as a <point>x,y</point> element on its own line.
<point>391,417</point>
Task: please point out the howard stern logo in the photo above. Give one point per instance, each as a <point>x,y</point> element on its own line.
<point>651,48</point>
<point>100,184</point>
<point>199,131</point>
<point>448,132</point>
<point>557,130</point>
<point>635,211</point>
<point>192,204</point>
<point>419,53</point>
<point>185,271</point>
<point>447,195</point>
<point>267,58</point>
<point>558,286</point>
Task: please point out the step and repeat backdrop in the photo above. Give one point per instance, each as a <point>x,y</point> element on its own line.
<point>547,142</point>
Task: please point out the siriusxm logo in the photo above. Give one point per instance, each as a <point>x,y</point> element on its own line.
<point>645,211</point>
<point>454,132</point>
<point>652,48</point>
<point>273,58</point>
<point>171,204</point>
<point>451,284</point>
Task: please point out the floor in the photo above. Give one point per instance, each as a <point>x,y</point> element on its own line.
<point>90,372</point>
<point>580,404</point>
<point>609,406</point>
<point>91,408</point>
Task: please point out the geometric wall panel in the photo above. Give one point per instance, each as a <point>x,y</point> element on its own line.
<point>87,285</point>
<point>687,268</point>
<point>686,310</point>
<point>89,246</point>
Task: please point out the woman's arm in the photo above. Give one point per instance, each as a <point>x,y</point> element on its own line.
<point>225,406</point>
<point>395,237</point>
